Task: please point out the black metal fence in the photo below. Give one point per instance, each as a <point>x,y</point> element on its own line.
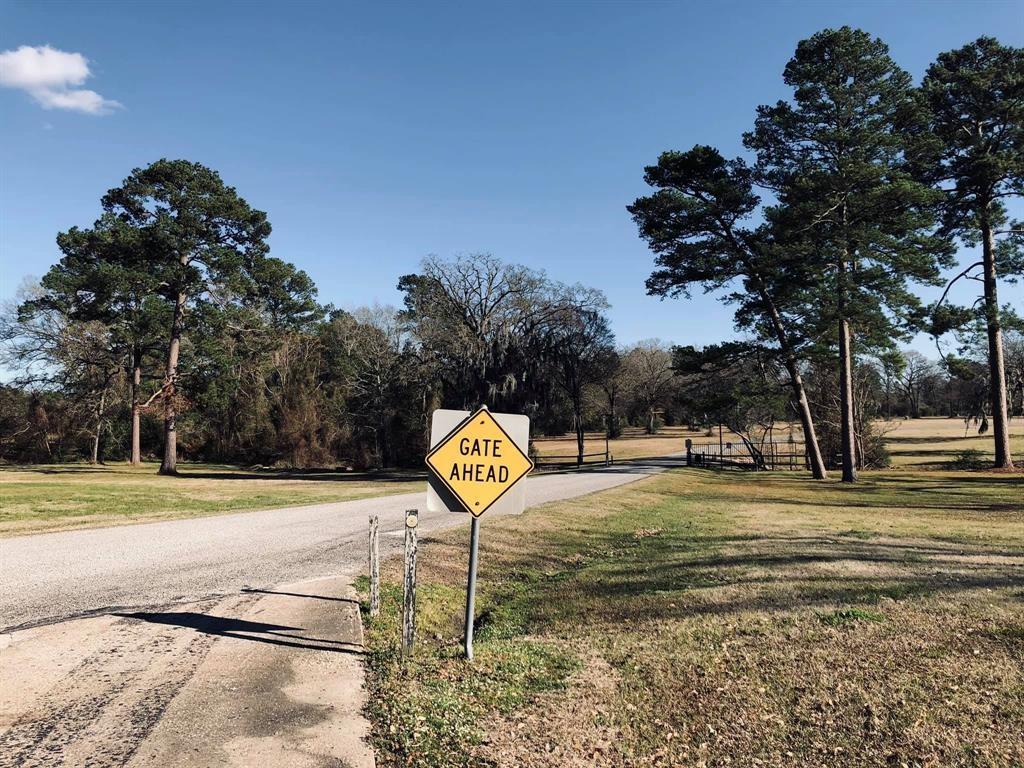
<point>769,455</point>
<point>567,461</point>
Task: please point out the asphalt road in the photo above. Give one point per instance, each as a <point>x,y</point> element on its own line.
<point>51,577</point>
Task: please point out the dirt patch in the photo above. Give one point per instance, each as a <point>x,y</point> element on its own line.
<point>101,709</point>
<point>248,680</point>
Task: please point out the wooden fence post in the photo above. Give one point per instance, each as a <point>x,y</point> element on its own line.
<point>689,455</point>
<point>409,603</point>
<point>374,567</point>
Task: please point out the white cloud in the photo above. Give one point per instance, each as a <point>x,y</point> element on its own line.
<point>78,100</point>
<point>48,76</point>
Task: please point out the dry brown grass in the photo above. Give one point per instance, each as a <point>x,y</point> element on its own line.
<point>927,443</point>
<point>727,618</point>
<point>934,441</point>
<point>61,496</point>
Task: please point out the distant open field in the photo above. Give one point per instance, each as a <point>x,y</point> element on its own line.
<point>721,618</point>
<point>928,443</point>
<point>933,442</point>
<point>54,497</point>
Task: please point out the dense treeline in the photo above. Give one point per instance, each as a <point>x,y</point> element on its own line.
<point>273,378</point>
<point>168,328</point>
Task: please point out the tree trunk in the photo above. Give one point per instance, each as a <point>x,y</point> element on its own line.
<point>169,464</point>
<point>847,434</point>
<point>997,368</point>
<point>578,418</point>
<point>136,455</point>
<point>100,408</point>
<point>818,471</point>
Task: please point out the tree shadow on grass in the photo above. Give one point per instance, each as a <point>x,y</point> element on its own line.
<point>220,472</point>
<point>930,440</point>
<point>970,504</point>
<point>224,626</point>
<point>675,579</point>
<point>321,475</point>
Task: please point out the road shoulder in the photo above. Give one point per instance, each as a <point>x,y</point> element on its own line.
<point>264,678</point>
<point>282,686</point>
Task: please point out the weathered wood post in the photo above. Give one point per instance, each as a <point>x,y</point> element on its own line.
<point>374,567</point>
<point>689,454</point>
<point>409,603</point>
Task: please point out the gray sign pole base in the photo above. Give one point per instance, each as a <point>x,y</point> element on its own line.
<point>474,541</point>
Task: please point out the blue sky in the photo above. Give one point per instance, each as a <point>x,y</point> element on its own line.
<point>374,134</point>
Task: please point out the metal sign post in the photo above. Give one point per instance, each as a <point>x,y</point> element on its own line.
<point>475,464</point>
<point>474,543</point>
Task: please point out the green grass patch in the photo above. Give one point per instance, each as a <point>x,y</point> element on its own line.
<point>848,616</point>
<point>428,709</point>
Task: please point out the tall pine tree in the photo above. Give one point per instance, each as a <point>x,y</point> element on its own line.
<point>698,222</point>
<point>976,99</point>
<point>836,158</point>
<point>99,279</point>
<point>199,239</point>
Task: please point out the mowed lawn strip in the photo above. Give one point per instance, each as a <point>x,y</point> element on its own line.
<point>721,618</point>
<point>58,497</point>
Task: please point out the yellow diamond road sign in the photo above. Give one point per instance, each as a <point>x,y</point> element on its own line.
<point>478,462</point>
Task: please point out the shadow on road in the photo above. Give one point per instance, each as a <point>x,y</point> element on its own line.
<point>225,626</point>
<point>252,590</point>
<point>624,467</point>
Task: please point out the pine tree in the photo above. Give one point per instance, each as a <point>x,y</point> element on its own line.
<point>698,224</point>
<point>197,238</point>
<point>836,157</point>
<point>98,280</point>
<point>976,100</point>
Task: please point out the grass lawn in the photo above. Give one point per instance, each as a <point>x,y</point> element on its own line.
<point>703,618</point>
<point>54,497</point>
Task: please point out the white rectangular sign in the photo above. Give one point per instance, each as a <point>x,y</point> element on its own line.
<point>442,422</point>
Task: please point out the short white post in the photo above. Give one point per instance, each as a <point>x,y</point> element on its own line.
<point>409,602</point>
<point>374,567</point>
